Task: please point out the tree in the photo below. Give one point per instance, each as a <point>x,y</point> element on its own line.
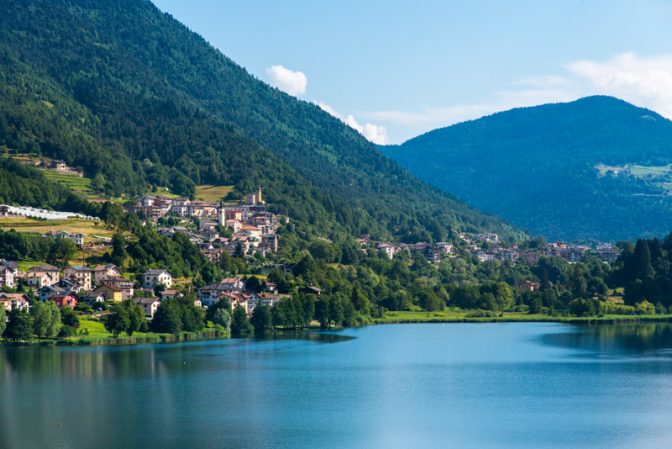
<point>262,320</point>
<point>119,253</point>
<point>3,321</point>
<point>222,317</point>
<point>430,301</point>
<point>168,318</point>
<point>645,308</point>
<point>20,326</point>
<point>240,324</point>
<point>253,284</point>
<point>62,250</point>
<point>225,263</point>
<point>360,301</point>
<point>322,314</point>
<point>136,317</point>
<point>212,310</point>
<point>193,318</point>
<point>46,319</point>
<point>70,322</point>
<point>118,320</point>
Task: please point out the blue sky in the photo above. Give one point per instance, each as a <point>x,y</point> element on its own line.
<point>395,69</point>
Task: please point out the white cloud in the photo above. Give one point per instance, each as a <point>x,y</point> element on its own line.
<point>374,133</point>
<point>642,80</point>
<point>289,81</point>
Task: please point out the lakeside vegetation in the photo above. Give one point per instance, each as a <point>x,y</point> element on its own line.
<point>459,316</point>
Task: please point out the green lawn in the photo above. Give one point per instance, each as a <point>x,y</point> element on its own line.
<point>98,335</point>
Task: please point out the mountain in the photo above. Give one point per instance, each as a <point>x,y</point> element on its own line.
<point>594,169</point>
<point>138,101</point>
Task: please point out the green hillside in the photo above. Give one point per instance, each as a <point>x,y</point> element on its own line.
<point>137,101</point>
<point>597,168</point>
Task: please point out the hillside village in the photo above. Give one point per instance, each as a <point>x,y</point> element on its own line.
<point>243,229</point>
<point>488,246</point>
<point>247,228</point>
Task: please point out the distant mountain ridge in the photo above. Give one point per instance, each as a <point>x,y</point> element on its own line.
<point>137,100</point>
<point>591,169</point>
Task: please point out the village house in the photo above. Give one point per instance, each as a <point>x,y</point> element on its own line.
<point>507,255</point>
<point>7,276</point>
<point>170,294</point>
<point>36,280</point>
<point>81,276</point>
<point>102,273</point>
<point>61,166</point>
<point>51,273</point>
<point>127,287</point>
<point>388,249</point>
<point>77,238</point>
<point>262,299</point>
<point>238,299</point>
<point>149,305</point>
<point>155,277</point>
<point>529,286</point>
<point>529,257</point>
<point>256,198</point>
<point>109,292</point>
<point>13,301</point>
<point>69,300</point>
<point>484,256</point>
<point>210,294</point>
<point>63,287</point>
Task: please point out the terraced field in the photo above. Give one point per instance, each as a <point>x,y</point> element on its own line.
<point>92,229</point>
<point>212,193</point>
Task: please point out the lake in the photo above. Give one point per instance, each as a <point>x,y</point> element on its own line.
<point>498,385</point>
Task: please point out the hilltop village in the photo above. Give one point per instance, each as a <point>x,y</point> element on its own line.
<point>247,228</point>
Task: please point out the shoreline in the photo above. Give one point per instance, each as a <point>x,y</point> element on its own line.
<point>436,317</point>
<point>393,318</point>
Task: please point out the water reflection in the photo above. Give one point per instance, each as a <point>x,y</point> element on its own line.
<point>616,340</point>
<point>506,385</point>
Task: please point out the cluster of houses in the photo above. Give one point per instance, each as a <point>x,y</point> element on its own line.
<point>488,247</point>
<point>434,252</point>
<point>251,226</point>
<point>104,283</point>
<point>74,284</point>
<point>233,290</point>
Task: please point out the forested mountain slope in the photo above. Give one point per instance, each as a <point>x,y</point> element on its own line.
<point>133,97</point>
<point>596,168</point>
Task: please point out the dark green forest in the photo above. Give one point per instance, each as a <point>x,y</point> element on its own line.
<point>137,100</point>
<point>535,167</point>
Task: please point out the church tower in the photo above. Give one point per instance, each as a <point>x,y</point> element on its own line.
<point>260,198</point>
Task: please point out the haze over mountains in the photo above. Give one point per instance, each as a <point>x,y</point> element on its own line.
<point>138,101</point>
<point>596,168</point>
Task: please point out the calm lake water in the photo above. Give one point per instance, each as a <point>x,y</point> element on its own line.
<point>509,385</point>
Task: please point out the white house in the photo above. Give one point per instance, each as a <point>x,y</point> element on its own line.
<point>149,305</point>
<point>7,276</point>
<point>81,276</point>
<point>11,301</point>
<point>155,277</point>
